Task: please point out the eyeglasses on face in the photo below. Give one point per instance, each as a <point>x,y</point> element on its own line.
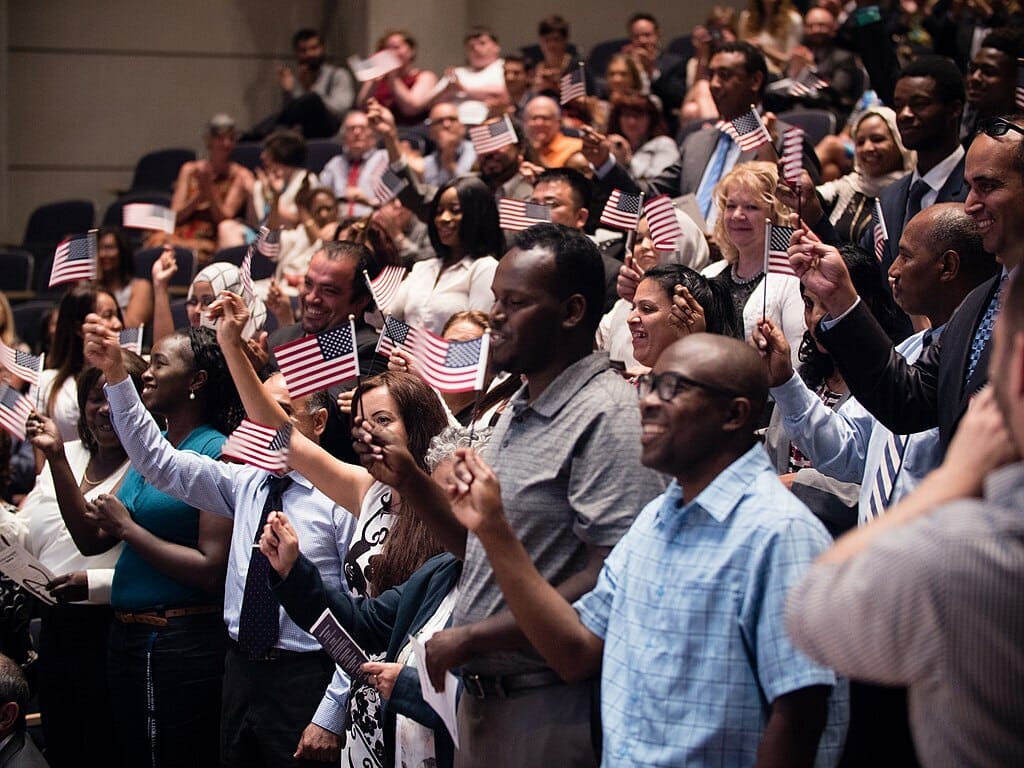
<point>667,385</point>
<point>998,126</point>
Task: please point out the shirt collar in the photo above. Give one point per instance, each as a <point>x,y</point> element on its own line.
<point>937,177</point>
<point>567,384</point>
<point>725,492</point>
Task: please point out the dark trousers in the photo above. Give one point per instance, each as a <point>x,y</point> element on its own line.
<point>879,734</point>
<point>165,686</point>
<point>268,704</point>
<point>74,697</point>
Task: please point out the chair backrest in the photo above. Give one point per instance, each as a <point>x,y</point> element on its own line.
<point>816,123</point>
<point>28,319</point>
<point>262,267</point>
<point>233,255</point>
<point>51,223</point>
<point>145,259</point>
<point>318,152</point>
<point>178,313</point>
<point>247,153</point>
<point>15,269</point>
<point>156,171</point>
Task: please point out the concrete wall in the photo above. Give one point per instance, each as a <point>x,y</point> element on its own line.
<point>89,86</point>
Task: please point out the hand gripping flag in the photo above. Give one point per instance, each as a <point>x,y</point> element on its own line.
<point>260,446</point>
<point>622,211</point>
<point>448,366</point>
<point>320,361</point>
<point>74,260</point>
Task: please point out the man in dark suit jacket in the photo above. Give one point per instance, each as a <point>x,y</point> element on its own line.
<point>935,390</point>
<point>738,76</point>
<point>18,749</point>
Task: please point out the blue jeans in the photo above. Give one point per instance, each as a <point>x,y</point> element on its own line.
<point>165,686</point>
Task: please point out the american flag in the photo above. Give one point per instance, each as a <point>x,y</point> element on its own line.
<point>776,243</point>
<point>245,277</point>
<point>23,364</point>
<point>74,259</point>
<point>448,366</point>
<point>493,136</point>
<point>622,211</point>
<point>747,130</point>
<point>317,362</point>
<point>131,338</point>
<point>379,64</point>
<point>384,287</point>
<point>792,154</point>
<point>388,186</point>
<point>15,409</point>
<point>260,446</point>
<point>148,216</point>
<point>515,215</point>
<point>662,221</point>
<point>573,85</point>
<point>1019,93</point>
<point>880,233</point>
<point>807,83</point>
<point>268,242</point>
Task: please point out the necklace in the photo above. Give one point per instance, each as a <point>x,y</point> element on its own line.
<point>89,481</point>
<point>742,280</point>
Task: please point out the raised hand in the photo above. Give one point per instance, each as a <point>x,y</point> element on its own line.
<point>773,347</point>
<point>474,492</point>
<point>43,433</point>
<point>821,269</point>
<point>596,147</point>
<point>629,278</point>
<point>280,543</point>
<point>230,314</point>
<point>102,348</point>
<point>687,313</point>
<point>382,452</point>
<point>164,267</point>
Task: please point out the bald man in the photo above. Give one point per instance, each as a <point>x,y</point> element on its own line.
<point>688,639</point>
<point>543,119</point>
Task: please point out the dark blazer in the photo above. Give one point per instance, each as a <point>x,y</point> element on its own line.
<point>21,752</point>
<point>912,398</point>
<point>380,624</point>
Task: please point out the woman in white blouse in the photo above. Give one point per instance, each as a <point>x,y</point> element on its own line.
<point>463,228</point>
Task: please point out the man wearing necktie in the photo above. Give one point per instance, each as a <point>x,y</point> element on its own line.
<point>284,699</point>
<point>936,389</point>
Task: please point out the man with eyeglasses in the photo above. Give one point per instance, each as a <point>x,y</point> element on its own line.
<point>685,623</point>
<point>351,174</point>
<point>452,155</point>
<point>936,389</point>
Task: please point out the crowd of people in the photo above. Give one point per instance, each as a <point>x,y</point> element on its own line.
<point>702,511</point>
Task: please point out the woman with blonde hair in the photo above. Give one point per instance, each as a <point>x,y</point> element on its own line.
<point>746,198</point>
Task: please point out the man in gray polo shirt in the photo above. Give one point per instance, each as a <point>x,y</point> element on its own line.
<point>567,451</point>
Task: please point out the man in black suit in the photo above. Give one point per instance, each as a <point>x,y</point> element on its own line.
<point>935,390</point>
<point>18,749</point>
<point>738,73</point>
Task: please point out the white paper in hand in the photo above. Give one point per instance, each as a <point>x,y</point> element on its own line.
<point>20,566</point>
<point>442,703</point>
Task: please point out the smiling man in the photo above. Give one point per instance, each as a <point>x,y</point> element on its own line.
<point>992,79</point>
<point>685,623</point>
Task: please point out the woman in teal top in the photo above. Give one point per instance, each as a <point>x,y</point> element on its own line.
<point>167,644</point>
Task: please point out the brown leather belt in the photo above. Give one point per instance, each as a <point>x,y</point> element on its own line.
<point>159,618</point>
<point>503,686</point>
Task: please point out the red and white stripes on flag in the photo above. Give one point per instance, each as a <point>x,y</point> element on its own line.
<point>1019,92</point>
<point>747,130</point>
<point>622,211</point>
<point>131,338</point>
<point>379,64</point>
<point>268,242</point>
<point>776,243</point>
<point>491,137</point>
<point>807,83</point>
<point>662,221</point>
<point>573,85</point>
<point>387,186</point>
<point>318,362</point>
<point>74,260</point>
<point>245,277</point>
<point>384,287</point>
<point>148,216</point>
<point>15,409</point>
<point>792,155</point>
<point>24,365</point>
<point>516,215</point>
<point>259,445</point>
<point>881,236</point>
<point>448,366</point>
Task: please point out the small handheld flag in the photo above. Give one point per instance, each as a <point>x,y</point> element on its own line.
<point>268,242</point>
<point>148,216</point>
<point>448,366</point>
<point>15,409</point>
<point>260,446</point>
<point>792,155</point>
<point>376,66</point>
<point>747,130</point>
<point>384,287</point>
<point>74,260</point>
<point>491,137</point>
<point>573,85</point>
<point>662,221</point>
<point>622,211</point>
<point>516,215</point>
<point>24,365</point>
<point>388,186</point>
<point>318,362</point>
<point>881,236</point>
<point>131,338</point>
<point>776,244</point>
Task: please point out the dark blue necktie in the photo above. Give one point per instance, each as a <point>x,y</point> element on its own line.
<point>984,332</point>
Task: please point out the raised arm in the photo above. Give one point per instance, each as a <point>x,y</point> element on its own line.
<point>163,270</point>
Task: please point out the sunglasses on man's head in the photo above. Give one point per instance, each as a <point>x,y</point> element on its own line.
<point>999,126</point>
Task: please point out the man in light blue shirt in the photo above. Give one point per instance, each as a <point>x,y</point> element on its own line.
<point>288,702</point>
<point>939,261</point>
<point>685,624</point>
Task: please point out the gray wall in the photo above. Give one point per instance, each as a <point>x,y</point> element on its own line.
<point>89,86</point>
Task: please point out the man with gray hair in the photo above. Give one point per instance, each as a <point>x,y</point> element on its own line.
<point>543,120</point>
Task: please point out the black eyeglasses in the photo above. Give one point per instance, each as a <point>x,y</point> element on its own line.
<point>998,126</point>
<point>668,385</point>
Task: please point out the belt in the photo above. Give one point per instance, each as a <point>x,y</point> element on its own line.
<point>271,654</point>
<point>159,618</point>
<point>503,686</point>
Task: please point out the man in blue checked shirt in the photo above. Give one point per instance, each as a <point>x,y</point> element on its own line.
<point>685,624</point>
<point>284,699</point>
